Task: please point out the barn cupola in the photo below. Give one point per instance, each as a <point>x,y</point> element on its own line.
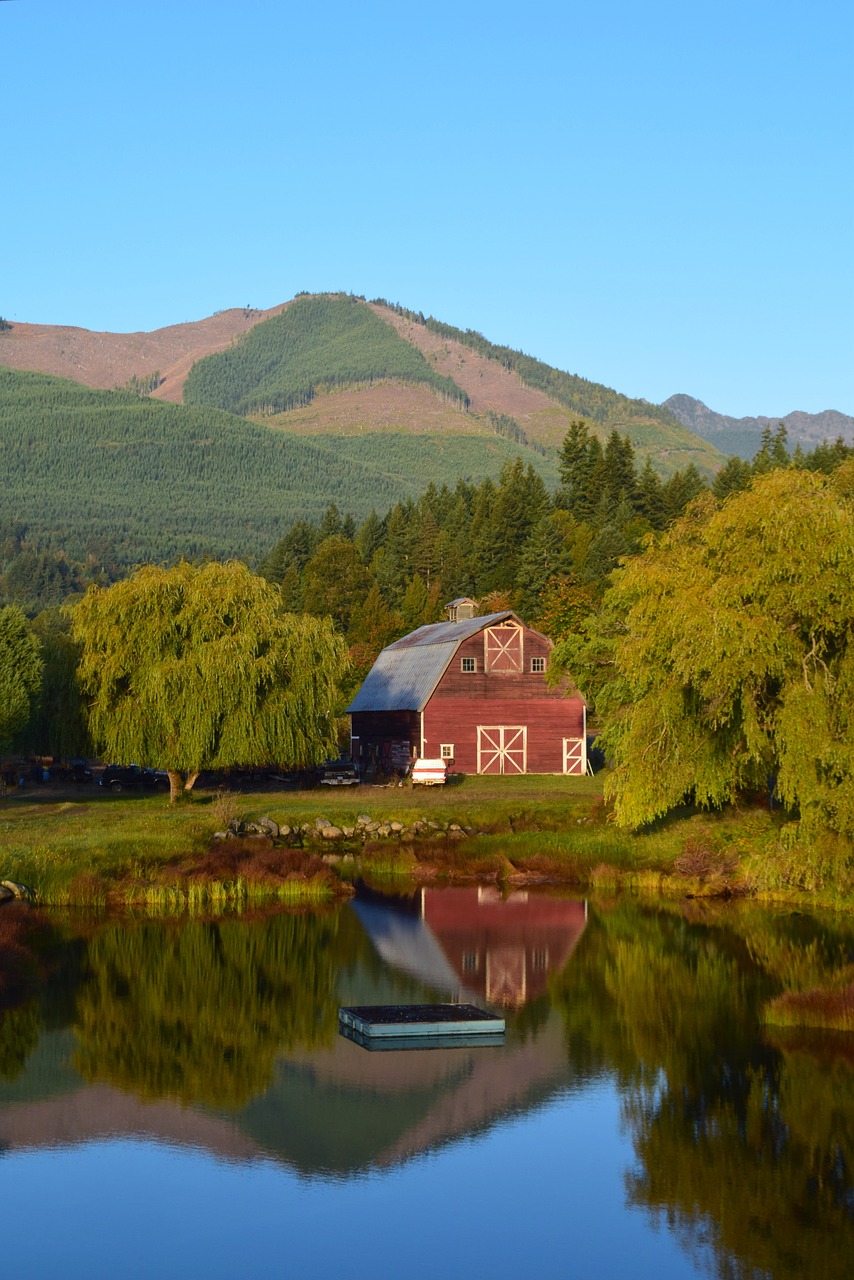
<point>461,608</point>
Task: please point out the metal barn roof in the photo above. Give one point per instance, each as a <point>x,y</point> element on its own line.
<point>407,671</point>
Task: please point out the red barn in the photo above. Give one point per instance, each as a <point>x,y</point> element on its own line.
<point>473,692</point>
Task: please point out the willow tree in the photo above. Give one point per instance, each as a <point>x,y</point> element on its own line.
<point>723,655</point>
<point>195,668</point>
<point>20,673</point>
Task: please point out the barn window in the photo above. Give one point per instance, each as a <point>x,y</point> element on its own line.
<point>468,664</point>
<point>538,664</point>
<point>470,962</point>
<point>447,750</point>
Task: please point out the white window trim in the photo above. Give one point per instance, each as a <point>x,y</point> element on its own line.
<point>468,670</point>
<point>446,751</point>
<point>538,670</point>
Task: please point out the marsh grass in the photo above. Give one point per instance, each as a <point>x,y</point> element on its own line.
<point>140,850</point>
<point>829,1008</point>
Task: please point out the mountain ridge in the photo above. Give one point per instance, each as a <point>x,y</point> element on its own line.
<point>500,398</point>
<point>742,436</point>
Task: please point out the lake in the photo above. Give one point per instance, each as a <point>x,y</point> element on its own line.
<point>175,1098</point>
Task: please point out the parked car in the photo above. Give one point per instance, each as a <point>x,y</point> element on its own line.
<point>339,773</point>
<point>130,777</point>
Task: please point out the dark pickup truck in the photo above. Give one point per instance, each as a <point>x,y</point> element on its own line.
<point>129,777</point>
<point>339,773</point>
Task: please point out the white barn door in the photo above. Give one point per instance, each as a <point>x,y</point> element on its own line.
<point>575,755</point>
<point>502,748</point>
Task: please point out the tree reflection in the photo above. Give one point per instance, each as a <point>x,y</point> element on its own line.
<point>744,1144</point>
<point>199,1011</point>
<point>19,1034</point>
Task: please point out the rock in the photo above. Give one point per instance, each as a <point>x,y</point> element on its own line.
<point>383,831</point>
<point>221,835</point>
<point>234,825</point>
<point>6,895</point>
<point>396,827</point>
<point>373,826</point>
<point>363,820</point>
<point>434,826</point>
<point>320,823</point>
<point>331,833</point>
<point>268,825</point>
<point>349,832</point>
<point>455,826</point>
<point>284,829</point>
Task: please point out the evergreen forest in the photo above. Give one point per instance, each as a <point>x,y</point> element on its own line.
<point>316,343</point>
<point>117,478</point>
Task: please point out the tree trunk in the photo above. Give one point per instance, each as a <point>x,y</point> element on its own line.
<point>192,778</point>
<point>176,785</point>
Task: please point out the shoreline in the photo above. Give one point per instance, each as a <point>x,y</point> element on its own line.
<point>76,846</point>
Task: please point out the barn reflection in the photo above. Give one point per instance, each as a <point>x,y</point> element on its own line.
<point>473,944</point>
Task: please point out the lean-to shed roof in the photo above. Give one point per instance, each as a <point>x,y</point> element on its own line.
<point>406,672</point>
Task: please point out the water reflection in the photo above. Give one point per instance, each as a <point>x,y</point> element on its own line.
<point>472,944</point>
<point>221,1035</point>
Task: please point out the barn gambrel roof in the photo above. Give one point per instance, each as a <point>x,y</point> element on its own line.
<point>407,671</point>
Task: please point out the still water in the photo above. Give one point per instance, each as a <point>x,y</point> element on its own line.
<point>175,1099</point>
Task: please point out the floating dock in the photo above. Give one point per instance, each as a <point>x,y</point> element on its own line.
<point>420,1026</point>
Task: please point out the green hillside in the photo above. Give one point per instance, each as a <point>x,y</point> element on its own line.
<point>321,342</point>
<point>317,342</point>
<point>591,400</point>
<point>159,481</point>
<point>654,430</point>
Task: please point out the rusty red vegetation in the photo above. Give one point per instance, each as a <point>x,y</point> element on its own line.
<point>255,860</point>
<point>822,1007</point>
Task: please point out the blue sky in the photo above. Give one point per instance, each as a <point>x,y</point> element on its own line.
<point>656,196</point>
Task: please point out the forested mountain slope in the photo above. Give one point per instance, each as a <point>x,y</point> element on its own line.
<point>338,365</point>
<point>332,364</point>
<point>158,481</point>
<point>317,342</point>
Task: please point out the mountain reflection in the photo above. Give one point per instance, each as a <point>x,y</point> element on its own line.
<point>222,1035</point>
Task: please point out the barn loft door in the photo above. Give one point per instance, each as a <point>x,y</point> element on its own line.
<point>503,648</point>
<point>574,755</point>
<point>502,748</point>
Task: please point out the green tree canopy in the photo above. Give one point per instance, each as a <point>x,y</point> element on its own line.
<point>200,667</point>
<point>722,655</point>
<point>20,673</point>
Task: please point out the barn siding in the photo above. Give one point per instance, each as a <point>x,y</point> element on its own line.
<point>464,700</point>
